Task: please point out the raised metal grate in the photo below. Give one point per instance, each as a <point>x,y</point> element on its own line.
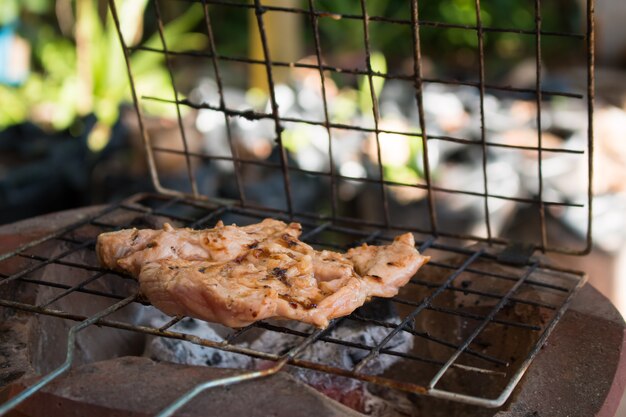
<point>378,181</point>
<point>470,291</point>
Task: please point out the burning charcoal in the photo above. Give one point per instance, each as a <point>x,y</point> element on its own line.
<point>352,331</point>
<point>351,392</point>
<point>186,353</point>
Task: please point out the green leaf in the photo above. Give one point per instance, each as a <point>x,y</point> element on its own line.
<point>378,64</point>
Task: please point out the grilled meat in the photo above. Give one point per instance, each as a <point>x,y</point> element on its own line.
<point>238,275</point>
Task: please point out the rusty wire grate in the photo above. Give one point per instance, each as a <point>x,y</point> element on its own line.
<point>379,181</point>
<point>485,293</point>
<point>479,309</point>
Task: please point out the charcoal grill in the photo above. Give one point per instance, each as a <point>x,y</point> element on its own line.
<point>513,274</point>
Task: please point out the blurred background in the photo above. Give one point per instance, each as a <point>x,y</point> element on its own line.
<point>69,135</point>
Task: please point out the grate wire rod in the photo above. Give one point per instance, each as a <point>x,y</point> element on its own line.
<point>393,183</point>
<point>436,24</point>
<point>259,10</point>
<point>327,124</point>
<point>539,100</point>
<point>170,71</point>
<point>65,287</point>
<point>406,77</point>
<point>482,293</point>
<point>515,379</point>
<point>429,337</point>
<point>71,289</point>
<point>422,305</point>
<point>468,315</point>
<point>69,358</point>
<point>483,127</point>
<point>46,262</point>
<point>256,115</point>
<point>375,113</point>
<point>503,301</point>
<point>220,382</point>
<point>55,234</point>
<point>220,89</point>
<point>419,98</point>
<point>363,346</point>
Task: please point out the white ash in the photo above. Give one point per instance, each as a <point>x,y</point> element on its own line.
<point>338,355</point>
<point>359,332</point>
<point>187,353</point>
<point>384,402</point>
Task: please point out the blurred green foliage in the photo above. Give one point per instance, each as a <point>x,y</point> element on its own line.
<point>10,9</point>
<point>50,95</point>
<point>451,50</point>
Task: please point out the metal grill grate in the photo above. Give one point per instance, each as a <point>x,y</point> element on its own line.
<point>494,289</point>
<point>379,182</point>
<point>543,290</point>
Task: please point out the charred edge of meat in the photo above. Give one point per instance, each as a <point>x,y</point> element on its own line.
<point>291,242</point>
<point>294,303</point>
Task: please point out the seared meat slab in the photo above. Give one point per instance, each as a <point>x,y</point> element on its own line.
<point>238,275</point>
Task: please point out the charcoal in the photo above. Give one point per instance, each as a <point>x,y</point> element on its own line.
<point>187,353</point>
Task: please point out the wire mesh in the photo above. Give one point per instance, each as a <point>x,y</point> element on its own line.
<point>467,291</point>
<point>464,290</point>
<point>435,192</point>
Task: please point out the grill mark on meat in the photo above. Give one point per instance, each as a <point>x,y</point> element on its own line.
<point>292,303</point>
<point>295,303</point>
<point>280,274</point>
